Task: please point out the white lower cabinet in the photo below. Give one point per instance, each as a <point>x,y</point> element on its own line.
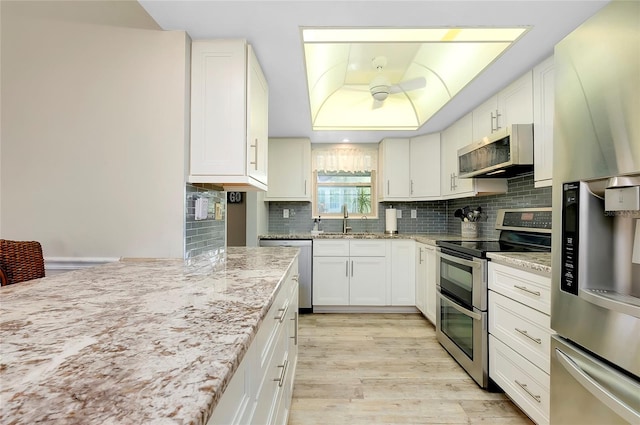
<point>403,273</point>
<point>426,280</point>
<point>261,388</point>
<point>363,273</point>
<point>349,272</point>
<point>525,384</point>
<point>520,337</point>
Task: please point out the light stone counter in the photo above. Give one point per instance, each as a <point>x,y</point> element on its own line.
<point>131,342</point>
<point>427,238</point>
<point>539,262</point>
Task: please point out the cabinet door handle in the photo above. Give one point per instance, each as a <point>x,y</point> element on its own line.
<point>283,313</point>
<point>280,379</point>
<point>412,187</point>
<point>525,289</point>
<point>492,118</point>
<point>388,187</point>
<point>524,387</point>
<point>498,115</point>
<point>295,331</point>
<point>346,268</point>
<point>525,333</point>
<point>420,255</point>
<point>305,186</point>
<point>255,155</point>
<point>351,268</point>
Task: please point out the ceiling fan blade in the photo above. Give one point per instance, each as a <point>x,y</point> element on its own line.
<point>408,85</point>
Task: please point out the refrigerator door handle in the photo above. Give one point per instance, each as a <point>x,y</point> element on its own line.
<point>598,390</point>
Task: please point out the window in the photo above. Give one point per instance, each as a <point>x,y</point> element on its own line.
<point>335,189</point>
<point>344,175</point>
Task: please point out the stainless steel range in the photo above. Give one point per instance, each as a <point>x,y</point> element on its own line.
<point>461,321</point>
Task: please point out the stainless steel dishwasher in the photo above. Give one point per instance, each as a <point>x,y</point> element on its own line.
<point>305,301</point>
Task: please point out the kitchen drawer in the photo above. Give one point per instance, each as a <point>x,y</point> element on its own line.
<point>528,288</point>
<point>331,248</point>
<point>368,248</point>
<point>525,330</point>
<point>273,323</point>
<point>524,383</point>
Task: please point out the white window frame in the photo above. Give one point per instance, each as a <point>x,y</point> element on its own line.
<point>352,214</point>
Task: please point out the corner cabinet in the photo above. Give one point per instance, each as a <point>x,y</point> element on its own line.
<point>543,110</point>
<point>420,181</point>
<point>457,136</point>
<point>229,116</point>
<point>289,170</point>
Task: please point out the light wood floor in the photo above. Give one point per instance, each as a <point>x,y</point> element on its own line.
<point>385,369</point>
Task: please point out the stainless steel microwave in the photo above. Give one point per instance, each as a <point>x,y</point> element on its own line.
<point>505,153</point>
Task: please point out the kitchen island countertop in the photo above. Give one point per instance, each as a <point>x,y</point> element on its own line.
<point>132,342</point>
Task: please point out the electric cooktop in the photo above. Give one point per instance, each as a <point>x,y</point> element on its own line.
<point>522,230</point>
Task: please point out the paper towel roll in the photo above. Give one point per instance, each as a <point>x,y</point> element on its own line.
<point>391,220</point>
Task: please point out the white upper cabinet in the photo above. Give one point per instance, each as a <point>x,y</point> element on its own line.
<point>394,173</point>
<point>229,116</point>
<point>289,170</point>
<point>425,167</point>
<point>453,138</point>
<point>543,110</point>
<point>420,181</point>
<point>512,105</point>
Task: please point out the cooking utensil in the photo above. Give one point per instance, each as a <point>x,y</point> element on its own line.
<point>458,214</point>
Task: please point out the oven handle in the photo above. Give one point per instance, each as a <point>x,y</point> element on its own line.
<point>470,263</point>
<point>474,316</point>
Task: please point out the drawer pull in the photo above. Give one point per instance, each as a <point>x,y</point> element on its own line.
<point>524,387</point>
<point>525,289</point>
<point>295,335</point>
<point>295,277</point>
<point>525,333</point>
<point>283,366</point>
<point>283,312</point>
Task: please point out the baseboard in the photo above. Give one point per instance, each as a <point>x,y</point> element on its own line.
<point>363,309</point>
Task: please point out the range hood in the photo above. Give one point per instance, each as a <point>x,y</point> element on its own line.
<point>507,152</point>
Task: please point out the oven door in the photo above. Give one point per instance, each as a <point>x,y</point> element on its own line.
<point>463,278</point>
<point>463,333</point>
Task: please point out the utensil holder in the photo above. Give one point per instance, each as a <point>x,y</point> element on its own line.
<point>469,229</point>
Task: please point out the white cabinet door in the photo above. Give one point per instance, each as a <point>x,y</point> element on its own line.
<point>515,102</point>
<point>394,173</point>
<point>367,284</point>
<point>421,279</point>
<point>289,170</point>
<point>229,118</point>
<point>512,105</point>
<point>331,280</point>
<point>543,110</point>
<point>425,167</point>
<point>484,119</point>
<point>403,269</point>
<point>431,278</point>
<point>257,119</point>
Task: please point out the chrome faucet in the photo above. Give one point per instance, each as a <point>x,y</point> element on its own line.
<point>345,213</point>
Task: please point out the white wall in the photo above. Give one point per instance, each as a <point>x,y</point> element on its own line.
<point>94,124</point>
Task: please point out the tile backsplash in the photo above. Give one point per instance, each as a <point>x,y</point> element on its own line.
<point>210,233</point>
<point>431,217</point>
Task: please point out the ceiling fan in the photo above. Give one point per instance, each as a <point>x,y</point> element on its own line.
<point>380,87</point>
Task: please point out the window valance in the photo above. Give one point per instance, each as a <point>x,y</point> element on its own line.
<point>346,159</point>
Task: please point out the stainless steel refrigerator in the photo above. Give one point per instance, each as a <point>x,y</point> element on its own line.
<point>595,356</point>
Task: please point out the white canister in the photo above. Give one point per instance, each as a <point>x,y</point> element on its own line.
<point>469,229</point>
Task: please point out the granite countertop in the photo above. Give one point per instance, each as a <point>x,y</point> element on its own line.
<point>539,262</point>
<point>132,342</point>
<point>427,238</point>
